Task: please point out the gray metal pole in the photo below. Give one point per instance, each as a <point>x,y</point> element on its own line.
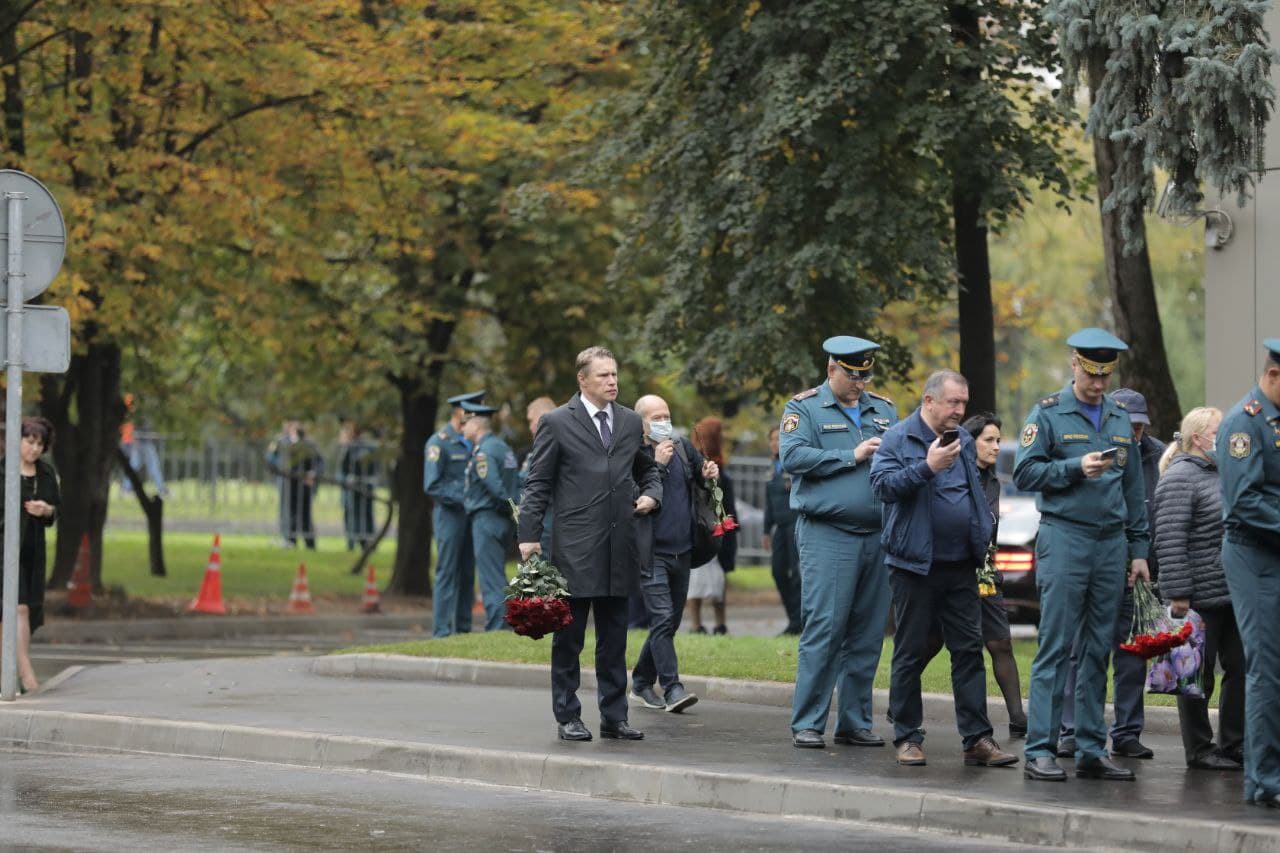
<point>12,445</point>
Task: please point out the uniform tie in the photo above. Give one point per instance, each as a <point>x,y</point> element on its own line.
<point>606,434</point>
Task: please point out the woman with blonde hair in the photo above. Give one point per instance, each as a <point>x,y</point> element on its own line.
<point>1188,540</point>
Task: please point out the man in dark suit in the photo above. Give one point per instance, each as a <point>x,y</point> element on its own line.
<point>587,463</point>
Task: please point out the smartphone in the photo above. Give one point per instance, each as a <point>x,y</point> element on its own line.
<point>948,437</point>
<point>1109,453</point>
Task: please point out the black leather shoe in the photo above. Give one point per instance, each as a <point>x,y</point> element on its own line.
<point>1044,770</point>
<point>619,731</point>
<point>1213,761</point>
<point>808,739</point>
<point>1131,749</point>
<point>678,698</point>
<point>1103,768</point>
<point>574,730</point>
<point>646,697</point>
<point>1017,731</point>
<point>859,737</point>
<point>1067,746</point>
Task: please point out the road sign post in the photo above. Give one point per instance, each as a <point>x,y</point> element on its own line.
<point>36,238</point>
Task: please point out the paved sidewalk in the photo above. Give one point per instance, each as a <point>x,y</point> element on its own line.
<point>731,755</point>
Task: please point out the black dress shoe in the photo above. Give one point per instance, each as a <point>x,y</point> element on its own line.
<point>619,731</point>
<point>1103,768</point>
<point>1017,731</point>
<point>859,737</point>
<point>1131,749</point>
<point>1067,746</point>
<point>808,739</point>
<point>1044,770</point>
<point>574,730</point>
<point>1213,761</point>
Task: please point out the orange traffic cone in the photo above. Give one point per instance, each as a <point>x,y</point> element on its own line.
<point>372,603</point>
<point>210,598</point>
<point>300,595</point>
<point>80,587</point>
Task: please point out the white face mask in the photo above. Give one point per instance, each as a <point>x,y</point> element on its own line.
<point>659,431</point>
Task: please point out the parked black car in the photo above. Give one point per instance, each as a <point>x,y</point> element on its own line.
<point>1016,543</point>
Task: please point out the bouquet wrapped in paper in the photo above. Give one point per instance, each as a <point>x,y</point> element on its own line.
<point>987,581</point>
<point>1154,631</point>
<point>1178,671</point>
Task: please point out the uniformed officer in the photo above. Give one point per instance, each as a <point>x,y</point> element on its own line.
<point>780,537</point>
<point>491,484</point>
<point>447,453</point>
<point>1248,455</point>
<point>828,436</point>
<point>1077,450</point>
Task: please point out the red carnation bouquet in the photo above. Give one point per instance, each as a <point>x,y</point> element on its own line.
<point>1154,632</point>
<point>724,521</point>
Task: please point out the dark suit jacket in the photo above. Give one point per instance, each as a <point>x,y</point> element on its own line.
<point>593,537</point>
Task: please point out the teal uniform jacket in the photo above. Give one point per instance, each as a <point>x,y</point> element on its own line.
<point>1248,455</point>
<point>1056,434</point>
<point>445,467</point>
<point>817,439</point>
<point>492,477</point>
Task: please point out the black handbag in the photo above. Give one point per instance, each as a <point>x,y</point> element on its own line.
<point>706,544</point>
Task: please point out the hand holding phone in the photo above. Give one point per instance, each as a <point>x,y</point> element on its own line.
<point>1109,453</point>
<point>948,437</point>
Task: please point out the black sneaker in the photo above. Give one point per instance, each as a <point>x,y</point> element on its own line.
<point>678,698</point>
<point>1067,746</point>
<point>646,697</point>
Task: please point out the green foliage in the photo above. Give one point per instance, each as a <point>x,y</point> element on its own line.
<point>1181,86</point>
<point>537,578</point>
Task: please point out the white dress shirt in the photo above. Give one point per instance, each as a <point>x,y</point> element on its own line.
<point>591,413</point>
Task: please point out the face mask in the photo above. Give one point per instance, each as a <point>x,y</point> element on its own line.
<point>659,431</point>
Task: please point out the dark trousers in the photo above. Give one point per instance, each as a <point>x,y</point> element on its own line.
<point>1221,644</point>
<point>665,587</point>
<point>1128,680</point>
<point>785,560</point>
<point>611,659</point>
<point>948,597</point>
<point>298,513</point>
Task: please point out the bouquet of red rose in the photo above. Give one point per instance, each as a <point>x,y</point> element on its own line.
<point>1154,632</point>
<point>535,601</point>
<point>724,521</point>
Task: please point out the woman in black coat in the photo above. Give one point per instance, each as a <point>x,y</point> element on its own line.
<point>40,500</point>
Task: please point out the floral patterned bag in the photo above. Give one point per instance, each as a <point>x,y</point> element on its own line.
<point>1178,671</point>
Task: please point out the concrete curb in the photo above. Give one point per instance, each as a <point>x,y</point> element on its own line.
<point>56,731</point>
<point>769,693</point>
<point>197,627</point>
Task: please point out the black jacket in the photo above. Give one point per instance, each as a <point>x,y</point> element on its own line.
<point>1188,533</point>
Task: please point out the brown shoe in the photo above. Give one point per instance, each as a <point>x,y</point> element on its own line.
<point>988,753</point>
<point>911,754</point>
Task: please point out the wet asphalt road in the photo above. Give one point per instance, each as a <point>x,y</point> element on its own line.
<point>146,803</point>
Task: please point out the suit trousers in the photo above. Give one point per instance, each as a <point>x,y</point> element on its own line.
<point>665,587</point>
<point>611,659</point>
<point>1080,573</point>
<point>1128,679</point>
<point>946,597</point>
<point>455,588</point>
<point>845,602</point>
<point>1221,644</point>
<point>1253,576</point>
<point>785,560</point>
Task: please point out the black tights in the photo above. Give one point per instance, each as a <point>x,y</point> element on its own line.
<point>1005,668</point>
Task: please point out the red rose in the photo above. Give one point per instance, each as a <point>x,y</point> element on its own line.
<point>729,523</point>
<point>719,531</point>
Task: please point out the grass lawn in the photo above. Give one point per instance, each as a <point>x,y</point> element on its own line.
<point>751,658</point>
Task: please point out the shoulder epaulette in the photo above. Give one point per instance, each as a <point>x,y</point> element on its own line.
<point>1051,400</point>
<point>1120,405</point>
<point>805,395</point>
<point>1252,408</point>
<point>879,397</point>
<point>442,435</point>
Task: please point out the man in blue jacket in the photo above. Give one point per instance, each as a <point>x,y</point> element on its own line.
<point>937,525</point>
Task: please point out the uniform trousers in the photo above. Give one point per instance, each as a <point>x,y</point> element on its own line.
<point>1129,683</point>
<point>785,562</point>
<point>454,589</point>
<point>946,597</point>
<point>844,597</point>
<point>1080,574</point>
<point>611,659</point>
<point>665,587</point>
<point>490,533</point>
<point>1253,577</point>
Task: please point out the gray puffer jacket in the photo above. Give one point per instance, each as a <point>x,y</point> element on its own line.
<point>1188,533</point>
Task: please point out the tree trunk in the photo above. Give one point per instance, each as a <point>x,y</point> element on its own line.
<point>411,575</point>
<point>153,509</point>
<point>977,320</point>
<point>84,451</point>
<point>14,127</point>
<point>1133,295</point>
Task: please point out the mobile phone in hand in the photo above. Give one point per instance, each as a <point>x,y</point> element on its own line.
<point>948,437</point>
<point>1109,453</point>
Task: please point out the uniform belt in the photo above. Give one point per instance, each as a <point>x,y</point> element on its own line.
<point>1244,536</point>
<point>1101,530</point>
<point>836,522</point>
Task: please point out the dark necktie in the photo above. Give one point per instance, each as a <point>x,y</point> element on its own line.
<point>606,434</point>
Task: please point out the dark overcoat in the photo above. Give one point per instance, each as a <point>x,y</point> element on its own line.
<point>592,490</point>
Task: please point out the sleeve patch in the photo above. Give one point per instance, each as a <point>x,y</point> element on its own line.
<point>433,453</point>
<point>1240,445</point>
<point>1029,433</point>
<point>790,422</point>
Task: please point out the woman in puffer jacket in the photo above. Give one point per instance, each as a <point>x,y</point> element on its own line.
<point>1188,540</point>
